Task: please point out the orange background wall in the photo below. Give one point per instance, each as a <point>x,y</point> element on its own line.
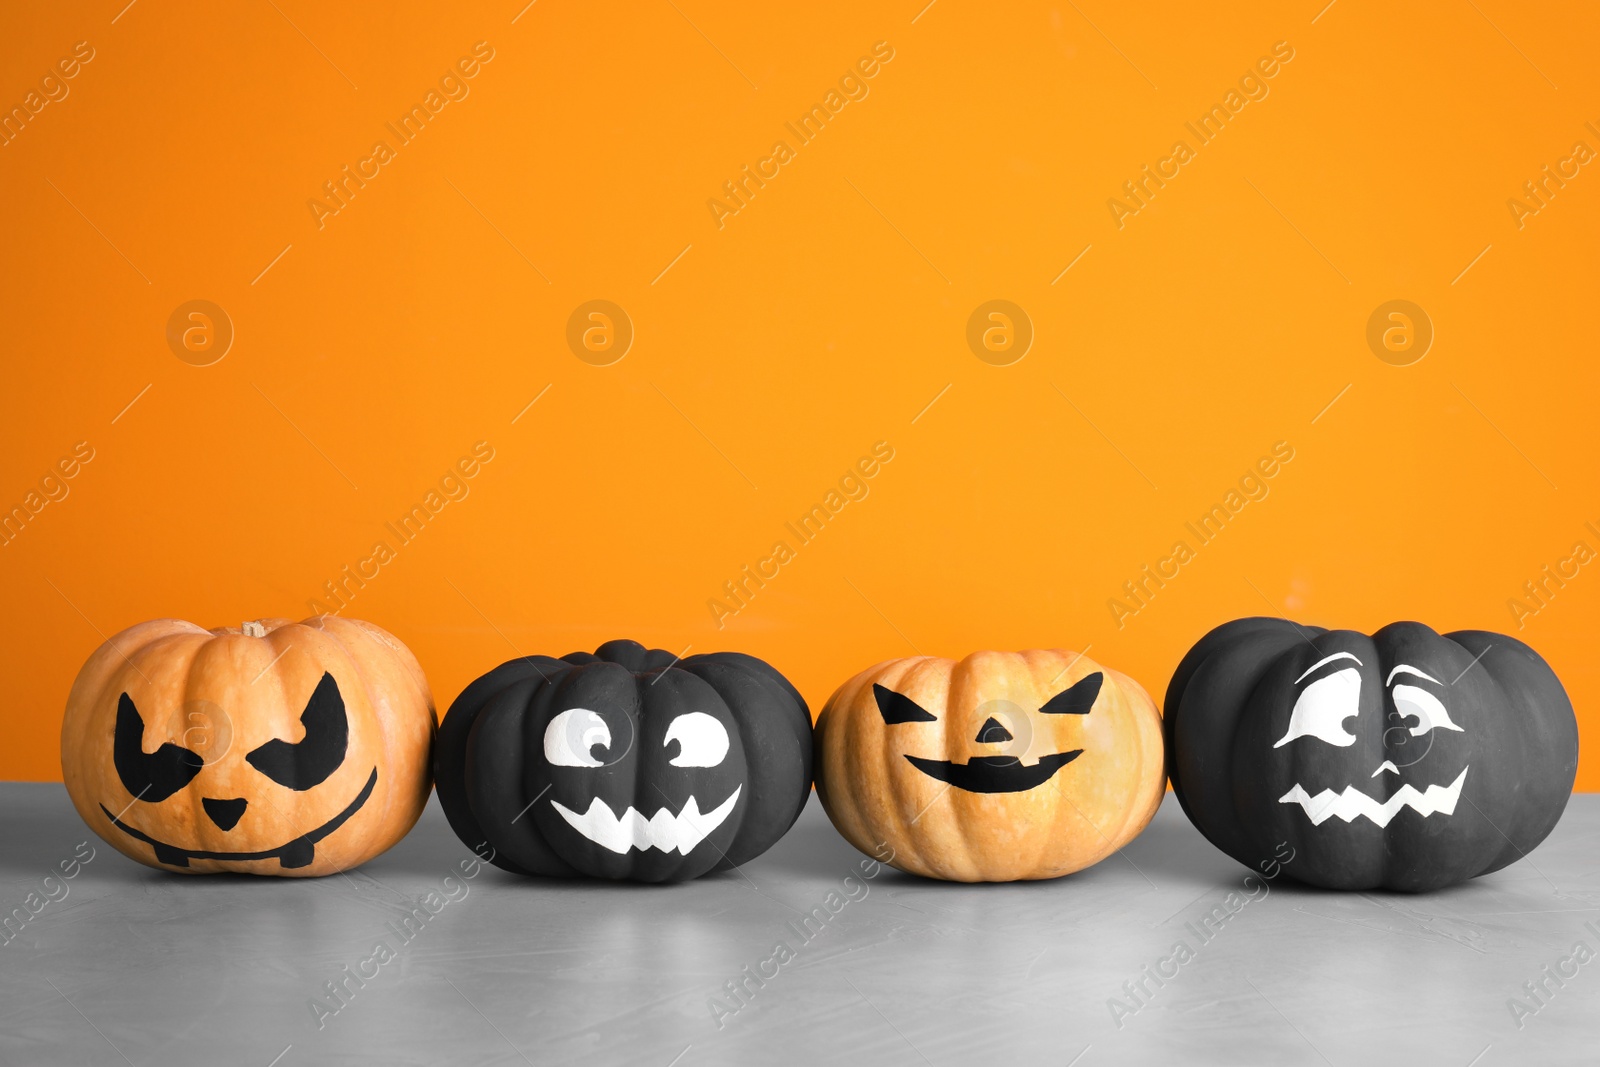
<point>374,347</point>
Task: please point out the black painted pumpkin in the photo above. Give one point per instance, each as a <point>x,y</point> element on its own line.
<point>1406,760</point>
<point>627,763</point>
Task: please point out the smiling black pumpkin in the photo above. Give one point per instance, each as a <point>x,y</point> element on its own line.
<point>625,763</point>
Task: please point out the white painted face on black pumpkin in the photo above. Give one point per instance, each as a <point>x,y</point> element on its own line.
<point>582,738</point>
<point>1328,712</point>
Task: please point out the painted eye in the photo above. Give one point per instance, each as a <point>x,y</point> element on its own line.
<point>308,762</point>
<point>149,776</point>
<point>702,740</point>
<point>1419,704</point>
<point>571,737</point>
<point>897,708</point>
<point>1078,700</point>
<point>1323,707</point>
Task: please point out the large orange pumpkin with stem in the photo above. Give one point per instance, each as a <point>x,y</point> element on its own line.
<point>998,767</point>
<point>275,748</point>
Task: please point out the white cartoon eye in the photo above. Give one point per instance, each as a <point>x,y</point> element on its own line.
<point>1419,704</point>
<point>571,737</point>
<point>702,740</point>
<point>1323,707</point>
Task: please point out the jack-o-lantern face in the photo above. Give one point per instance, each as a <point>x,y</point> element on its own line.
<point>632,768</point>
<point>1394,720</point>
<point>1002,766</point>
<point>153,777</point>
<point>1405,760</point>
<point>627,763</point>
<point>997,765</point>
<point>243,751</point>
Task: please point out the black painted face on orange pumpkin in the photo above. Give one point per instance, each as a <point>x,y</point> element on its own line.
<point>993,774</point>
<point>155,777</point>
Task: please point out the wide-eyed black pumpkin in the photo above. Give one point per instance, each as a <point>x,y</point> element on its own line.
<point>626,763</point>
<point>1406,760</point>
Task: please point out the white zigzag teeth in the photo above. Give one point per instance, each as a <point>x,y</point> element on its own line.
<point>1352,803</point>
<point>663,830</point>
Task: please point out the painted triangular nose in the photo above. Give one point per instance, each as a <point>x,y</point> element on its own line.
<point>992,733</point>
<point>225,813</point>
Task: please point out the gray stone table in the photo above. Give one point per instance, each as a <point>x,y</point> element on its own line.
<point>128,965</point>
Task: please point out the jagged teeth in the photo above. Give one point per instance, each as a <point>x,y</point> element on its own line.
<point>1352,803</point>
<point>663,830</point>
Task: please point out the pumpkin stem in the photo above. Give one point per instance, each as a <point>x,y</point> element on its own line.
<point>254,629</point>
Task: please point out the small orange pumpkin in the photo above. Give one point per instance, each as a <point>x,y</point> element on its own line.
<point>277,748</point>
<point>1000,767</point>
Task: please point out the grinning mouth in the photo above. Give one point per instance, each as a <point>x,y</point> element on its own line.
<point>995,774</point>
<point>297,853</point>
<point>1352,803</point>
<point>663,830</point>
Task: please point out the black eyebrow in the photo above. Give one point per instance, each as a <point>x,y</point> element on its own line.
<point>898,708</point>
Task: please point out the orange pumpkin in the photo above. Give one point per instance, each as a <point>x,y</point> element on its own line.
<point>999,767</point>
<point>276,748</point>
